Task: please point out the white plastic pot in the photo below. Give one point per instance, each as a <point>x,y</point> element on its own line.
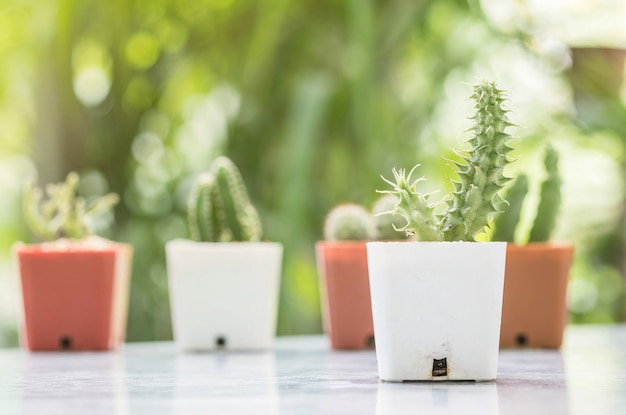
<point>437,308</point>
<point>224,295</point>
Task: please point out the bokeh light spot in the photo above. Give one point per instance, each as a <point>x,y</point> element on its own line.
<point>91,86</point>
<point>142,50</point>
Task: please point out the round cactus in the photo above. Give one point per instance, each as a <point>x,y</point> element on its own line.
<point>349,222</point>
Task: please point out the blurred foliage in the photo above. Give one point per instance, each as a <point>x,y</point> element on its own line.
<point>313,100</point>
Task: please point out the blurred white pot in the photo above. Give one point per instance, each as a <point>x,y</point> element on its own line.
<point>224,295</point>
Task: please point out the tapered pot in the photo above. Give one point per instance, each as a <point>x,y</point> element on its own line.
<point>345,292</point>
<point>224,295</point>
<point>436,309</point>
<point>534,310</point>
<point>75,297</point>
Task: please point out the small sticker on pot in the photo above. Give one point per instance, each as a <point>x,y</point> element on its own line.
<point>440,367</point>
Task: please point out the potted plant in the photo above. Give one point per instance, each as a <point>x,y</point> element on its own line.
<point>534,309</point>
<point>437,302</point>
<point>342,267</point>
<point>224,283</point>
<point>75,286</point>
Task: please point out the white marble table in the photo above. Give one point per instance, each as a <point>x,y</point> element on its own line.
<point>302,376</point>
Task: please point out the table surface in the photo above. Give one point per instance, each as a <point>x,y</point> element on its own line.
<point>301,375</point>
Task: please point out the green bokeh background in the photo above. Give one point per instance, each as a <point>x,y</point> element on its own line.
<point>313,100</point>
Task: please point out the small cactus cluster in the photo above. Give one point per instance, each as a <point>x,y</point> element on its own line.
<point>352,222</point>
<point>219,209</point>
<point>63,214</point>
<point>475,199</point>
<point>547,210</point>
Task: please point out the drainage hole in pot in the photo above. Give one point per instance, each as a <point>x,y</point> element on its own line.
<point>521,339</point>
<point>220,341</point>
<point>370,342</point>
<point>440,367</point>
<point>65,342</point>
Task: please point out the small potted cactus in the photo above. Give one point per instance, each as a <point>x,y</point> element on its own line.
<point>224,283</point>
<point>75,286</point>
<point>437,302</point>
<point>342,267</point>
<point>534,309</point>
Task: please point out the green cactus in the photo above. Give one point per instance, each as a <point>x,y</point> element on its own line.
<point>418,213</point>
<point>349,222</point>
<point>386,225</point>
<point>475,199</point>
<point>547,210</point>
<point>550,199</point>
<point>219,209</point>
<point>63,214</point>
<point>506,223</point>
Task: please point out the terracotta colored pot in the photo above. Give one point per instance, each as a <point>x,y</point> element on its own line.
<point>345,292</point>
<point>74,299</point>
<point>534,310</point>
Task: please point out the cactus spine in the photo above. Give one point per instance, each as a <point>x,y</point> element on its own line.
<point>387,225</point>
<point>219,209</point>
<point>474,200</point>
<point>418,213</point>
<point>550,201</point>
<point>349,222</point>
<point>63,214</point>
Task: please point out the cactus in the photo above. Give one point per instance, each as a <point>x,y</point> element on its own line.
<point>547,210</point>
<point>550,199</point>
<point>386,225</point>
<point>63,214</point>
<point>475,199</point>
<point>413,207</point>
<point>505,223</point>
<point>219,209</point>
<point>349,222</point>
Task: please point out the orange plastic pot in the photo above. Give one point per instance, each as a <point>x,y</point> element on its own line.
<point>74,298</point>
<point>345,292</point>
<point>534,309</point>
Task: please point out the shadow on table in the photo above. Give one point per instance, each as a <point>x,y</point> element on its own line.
<point>529,382</point>
<point>437,398</point>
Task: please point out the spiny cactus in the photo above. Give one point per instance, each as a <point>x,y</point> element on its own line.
<point>415,208</point>
<point>63,214</point>
<point>386,225</point>
<point>550,199</point>
<point>219,209</point>
<point>349,222</point>
<point>475,199</point>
